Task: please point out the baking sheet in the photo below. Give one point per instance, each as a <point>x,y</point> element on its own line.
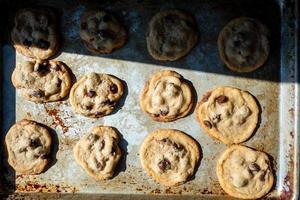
<point>274,86</point>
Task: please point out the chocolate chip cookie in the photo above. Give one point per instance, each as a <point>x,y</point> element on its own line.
<point>228,114</point>
<point>245,173</point>
<point>35,33</point>
<point>42,81</point>
<point>96,95</point>
<point>98,152</point>
<point>243,44</point>
<point>171,35</point>
<point>101,31</point>
<point>167,96</point>
<point>169,156</point>
<point>28,145</point>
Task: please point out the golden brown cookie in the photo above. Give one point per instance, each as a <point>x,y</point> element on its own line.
<point>96,95</point>
<point>101,31</point>
<point>228,114</point>
<point>245,173</point>
<point>167,96</point>
<point>171,35</point>
<point>28,145</point>
<point>42,81</point>
<point>35,33</point>
<point>169,156</point>
<point>98,152</point>
<point>243,44</point>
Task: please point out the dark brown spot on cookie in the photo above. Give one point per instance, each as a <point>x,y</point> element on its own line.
<point>106,18</point>
<point>43,44</point>
<point>164,165</point>
<point>113,88</point>
<point>41,67</point>
<point>91,93</point>
<point>27,43</point>
<point>254,167</point>
<point>21,150</point>
<point>108,102</point>
<point>99,165</point>
<point>113,151</point>
<point>98,114</point>
<point>237,43</point>
<point>262,177</point>
<point>102,144</point>
<point>221,99</point>
<point>38,93</point>
<point>93,137</point>
<point>88,107</point>
<point>56,67</point>
<point>34,143</point>
<point>169,19</point>
<point>207,124</point>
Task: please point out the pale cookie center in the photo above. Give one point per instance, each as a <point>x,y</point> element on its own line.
<point>167,99</point>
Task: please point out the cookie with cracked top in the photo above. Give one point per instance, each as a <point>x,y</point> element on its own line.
<point>169,156</point>
<point>244,172</point>
<point>167,96</point>
<point>101,31</point>
<point>98,152</point>
<point>228,114</point>
<point>35,33</point>
<point>28,145</point>
<point>42,81</point>
<point>243,44</point>
<point>96,95</point>
<point>171,35</point>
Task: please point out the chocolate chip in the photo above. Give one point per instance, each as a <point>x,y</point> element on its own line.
<point>88,107</point>
<point>56,67</point>
<point>169,19</point>
<point>21,150</point>
<point>98,114</point>
<point>84,26</point>
<point>41,67</point>
<point>38,93</point>
<point>113,151</point>
<point>108,102</point>
<point>254,167</point>
<point>221,99</point>
<point>262,176</point>
<point>91,93</point>
<point>164,165</point>
<point>43,44</point>
<point>237,43</point>
<point>207,124</point>
<point>178,147</point>
<point>106,18</point>
<point>113,88</point>
<point>105,34</point>
<point>216,118</point>
<point>34,143</point>
<point>99,165</point>
<point>102,144</point>
<point>27,43</point>
<point>164,112</point>
<point>156,115</point>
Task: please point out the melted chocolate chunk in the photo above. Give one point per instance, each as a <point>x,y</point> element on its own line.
<point>164,112</point>
<point>106,18</point>
<point>178,147</point>
<point>84,26</point>
<point>98,114</point>
<point>99,165</point>
<point>41,67</point>
<point>113,88</point>
<point>221,99</point>
<point>91,93</point>
<point>254,167</point>
<point>207,124</point>
<point>34,143</point>
<point>262,177</point>
<point>43,44</point>
<point>105,34</point>
<point>27,43</point>
<point>164,165</point>
<point>38,93</point>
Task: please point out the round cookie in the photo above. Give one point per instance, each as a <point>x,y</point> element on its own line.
<point>167,96</point>
<point>28,145</point>
<point>245,173</point>
<point>35,33</point>
<point>228,114</point>
<point>42,81</point>
<point>96,95</point>
<point>169,156</point>
<point>101,31</point>
<point>98,152</point>
<point>243,44</point>
<point>171,35</point>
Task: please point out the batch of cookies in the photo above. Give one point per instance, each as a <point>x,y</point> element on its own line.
<point>170,156</point>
